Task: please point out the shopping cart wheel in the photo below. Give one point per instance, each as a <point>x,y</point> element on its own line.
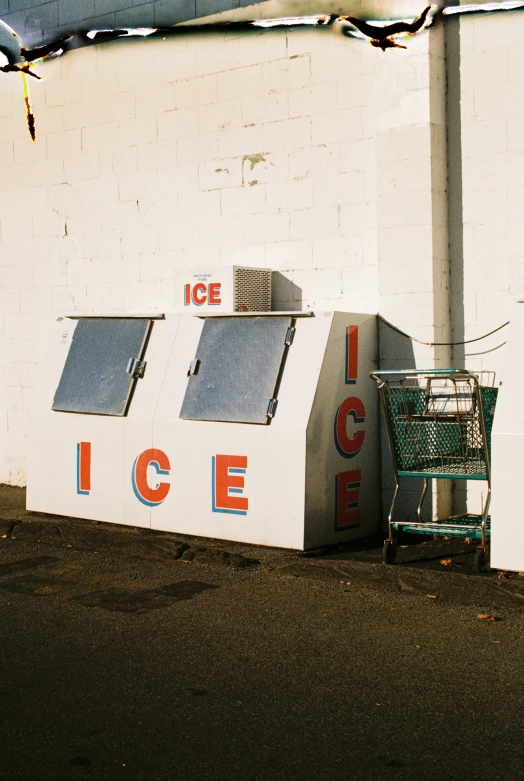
<point>479,561</point>
<point>389,551</point>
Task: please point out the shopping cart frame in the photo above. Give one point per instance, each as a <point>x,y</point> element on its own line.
<point>473,526</point>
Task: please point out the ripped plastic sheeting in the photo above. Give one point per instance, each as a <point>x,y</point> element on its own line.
<point>510,5</point>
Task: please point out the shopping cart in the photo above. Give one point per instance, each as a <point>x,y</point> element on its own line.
<point>439,426</point>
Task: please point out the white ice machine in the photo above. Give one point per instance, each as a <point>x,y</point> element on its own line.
<point>257,428</point>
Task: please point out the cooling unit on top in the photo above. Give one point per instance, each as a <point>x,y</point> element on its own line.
<point>224,289</point>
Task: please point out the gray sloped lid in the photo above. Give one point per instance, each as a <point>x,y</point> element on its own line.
<point>94,379</point>
<point>240,361</point>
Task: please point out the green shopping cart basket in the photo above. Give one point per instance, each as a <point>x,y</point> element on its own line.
<point>439,425</point>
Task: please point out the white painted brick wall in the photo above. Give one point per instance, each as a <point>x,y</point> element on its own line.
<point>492,116</point>
<point>492,79</point>
<point>263,150</point>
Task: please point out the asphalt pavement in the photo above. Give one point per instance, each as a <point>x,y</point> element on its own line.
<point>116,667</point>
<point>441,567</point>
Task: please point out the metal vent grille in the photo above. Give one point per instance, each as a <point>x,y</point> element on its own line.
<point>252,290</point>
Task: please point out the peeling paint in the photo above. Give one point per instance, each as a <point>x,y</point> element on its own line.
<point>384,36</point>
<point>380,35</point>
<point>512,5</point>
<point>21,59</point>
<point>254,159</point>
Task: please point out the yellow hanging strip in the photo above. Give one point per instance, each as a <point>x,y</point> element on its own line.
<point>28,109</point>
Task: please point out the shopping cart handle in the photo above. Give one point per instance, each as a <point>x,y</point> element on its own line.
<point>415,372</point>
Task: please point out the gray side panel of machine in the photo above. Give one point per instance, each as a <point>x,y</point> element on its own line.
<point>239,366</point>
<point>94,379</point>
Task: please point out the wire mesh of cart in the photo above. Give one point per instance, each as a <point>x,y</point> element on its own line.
<point>439,426</point>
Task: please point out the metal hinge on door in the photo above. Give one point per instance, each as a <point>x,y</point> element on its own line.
<point>193,367</point>
<point>136,368</point>
<point>271,408</point>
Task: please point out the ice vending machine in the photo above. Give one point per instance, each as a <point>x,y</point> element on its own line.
<point>260,428</point>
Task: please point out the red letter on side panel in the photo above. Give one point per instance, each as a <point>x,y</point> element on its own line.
<point>346,446</point>
<point>348,512</point>
<point>351,354</point>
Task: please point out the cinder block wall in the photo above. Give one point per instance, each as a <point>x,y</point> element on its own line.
<point>157,155</point>
<point>492,81</point>
<point>306,152</point>
<point>491,265</point>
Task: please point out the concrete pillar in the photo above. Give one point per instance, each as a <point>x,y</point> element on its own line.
<point>412,219</point>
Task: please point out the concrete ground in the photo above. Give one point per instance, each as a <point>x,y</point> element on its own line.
<point>132,654</point>
<point>115,667</point>
<point>443,568</point>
